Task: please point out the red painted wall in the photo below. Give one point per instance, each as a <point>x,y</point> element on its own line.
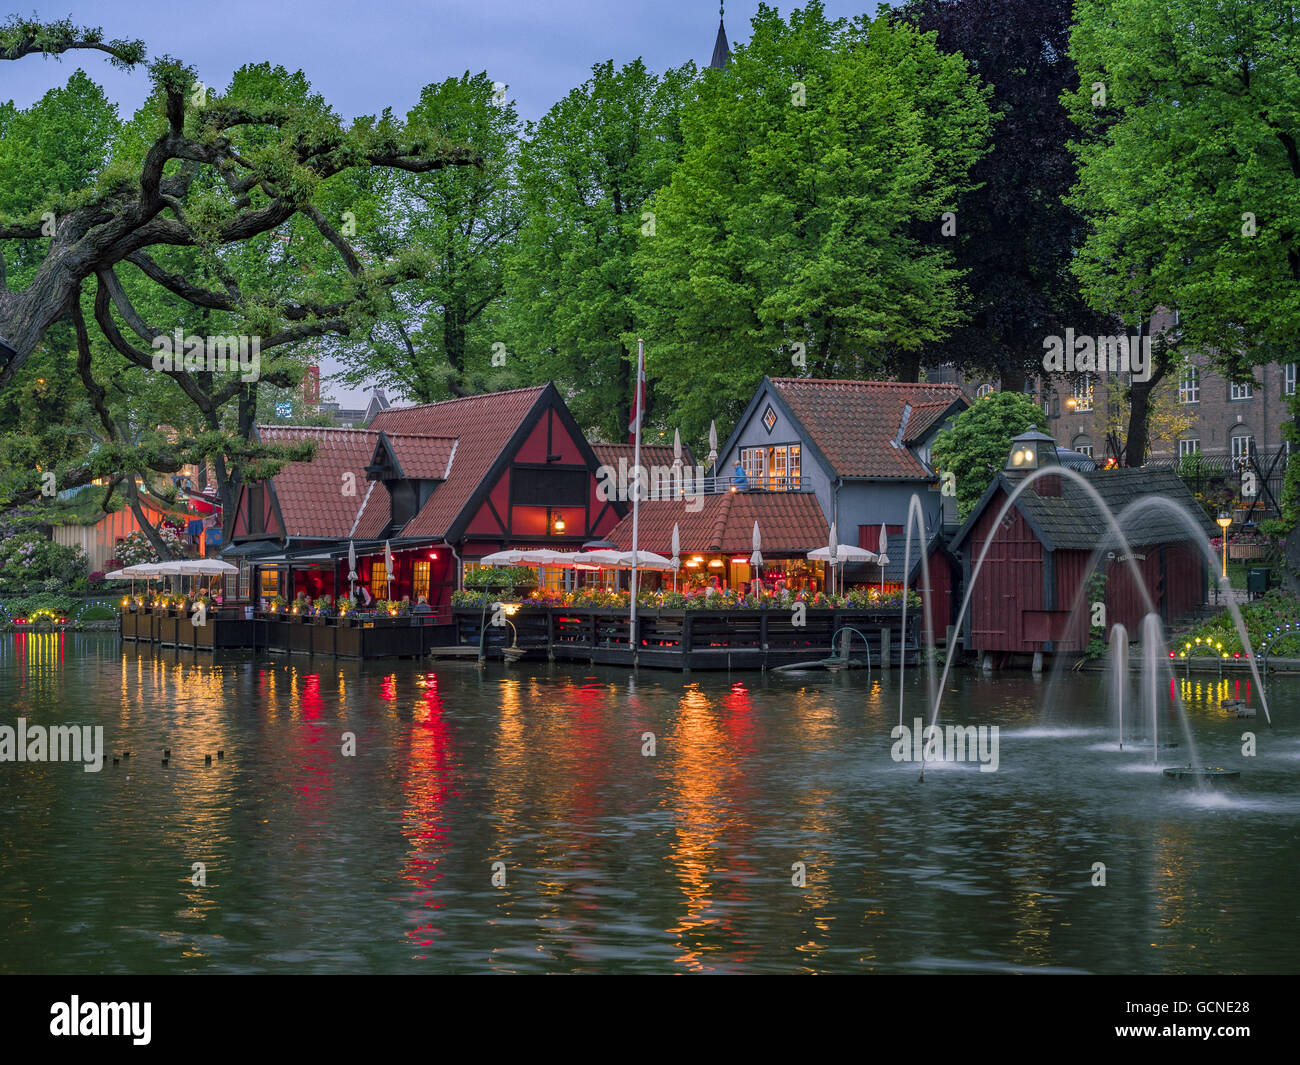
<point>1010,583</point>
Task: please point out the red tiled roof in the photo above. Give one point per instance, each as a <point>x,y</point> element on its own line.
<point>788,522</point>
<point>482,426</point>
<point>651,454</point>
<point>310,494</point>
<point>855,423</point>
<point>924,415</point>
<point>423,457</point>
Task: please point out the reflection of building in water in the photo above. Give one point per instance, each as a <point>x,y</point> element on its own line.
<point>429,773</point>
<point>713,796</point>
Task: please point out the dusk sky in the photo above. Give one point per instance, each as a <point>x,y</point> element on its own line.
<point>363,57</point>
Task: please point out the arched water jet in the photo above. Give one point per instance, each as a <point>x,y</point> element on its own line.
<point>1196,536</point>
<point>1046,471</point>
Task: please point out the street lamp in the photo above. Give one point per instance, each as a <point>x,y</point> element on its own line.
<point>1223,521</point>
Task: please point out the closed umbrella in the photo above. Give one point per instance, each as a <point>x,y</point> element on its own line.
<point>352,568</point>
<point>833,554</point>
<point>882,559</point>
<point>677,447</point>
<point>677,554</point>
<point>388,569</point>
<point>713,444</point>
<point>756,559</point>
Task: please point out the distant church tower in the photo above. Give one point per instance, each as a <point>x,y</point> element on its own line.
<point>721,50</point>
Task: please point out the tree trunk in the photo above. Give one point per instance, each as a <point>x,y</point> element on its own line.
<point>150,533</point>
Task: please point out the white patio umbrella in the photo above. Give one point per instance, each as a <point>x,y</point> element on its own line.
<point>645,560</point>
<point>352,568</point>
<point>756,559</point>
<point>844,553</point>
<point>388,570</point>
<point>511,557</point>
<point>602,559</point>
<point>544,556</point>
<point>882,559</point>
<point>677,554</point>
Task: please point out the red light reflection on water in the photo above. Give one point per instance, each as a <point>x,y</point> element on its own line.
<point>428,786</point>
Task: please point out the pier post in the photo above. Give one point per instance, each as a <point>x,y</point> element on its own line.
<point>884,648</point>
<point>1038,663</point>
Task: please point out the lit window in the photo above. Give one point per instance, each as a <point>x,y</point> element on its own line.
<point>1240,391</point>
<point>1189,387</point>
<point>769,419</point>
<point>379,580</point>
<point>1083,394</point>
<point>420,581</point>
<point>776,469</point>
<point>983,390</point>
<point>270,583</point>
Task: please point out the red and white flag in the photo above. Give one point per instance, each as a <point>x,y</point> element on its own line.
<point>638,404</point>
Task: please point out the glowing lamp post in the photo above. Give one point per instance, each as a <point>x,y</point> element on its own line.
<point>1223,521</point>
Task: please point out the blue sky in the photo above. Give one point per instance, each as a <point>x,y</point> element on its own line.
<point>363,57</point>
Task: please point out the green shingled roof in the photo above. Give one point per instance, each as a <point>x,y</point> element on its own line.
<point>1072,522</point>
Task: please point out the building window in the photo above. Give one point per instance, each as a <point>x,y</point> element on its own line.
<point>1288,379</point>
<point>379,580</point>
<point>1243,446</point>
<point>270,583</point>
<point>769,419</point>
<point>983,390</point>
<point>1084,449</point>
<point>1236,391</point>
<point>245,578</point>
<point>1083,394</point>
<point>776,469</point>
<point>419,581</point>
<point>1189,387</point>
<point>1188,447</point>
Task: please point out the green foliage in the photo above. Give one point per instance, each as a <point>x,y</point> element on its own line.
<point>29,560</point>
<point>978,443</point>
<point>507,578</point>
<point>1264,615</point>
<point>587,174</point>
<point>1187,171</point>
<point>785,241</point>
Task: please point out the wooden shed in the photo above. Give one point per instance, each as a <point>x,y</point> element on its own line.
<point>1053,538</point>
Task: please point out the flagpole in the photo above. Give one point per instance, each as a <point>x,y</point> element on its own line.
<point>636,496</point>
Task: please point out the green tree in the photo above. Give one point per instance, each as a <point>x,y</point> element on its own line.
<point>436,341</point>
<point>1189,176</point>
<point>978,443</point>
<point>586,176</point>
<point>786,234</point>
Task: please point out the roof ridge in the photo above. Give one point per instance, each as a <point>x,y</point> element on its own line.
<point>859,381</point>
<point>462,399</point>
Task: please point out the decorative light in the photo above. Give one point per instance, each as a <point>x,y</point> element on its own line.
<point>559,523</point>
<point>433,555</point>
<point>716,563</point>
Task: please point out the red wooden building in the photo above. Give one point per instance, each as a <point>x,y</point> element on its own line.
<point>442,483</point>
<point>1053,539</point>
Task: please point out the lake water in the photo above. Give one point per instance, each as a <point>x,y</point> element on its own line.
<point>615,861</point>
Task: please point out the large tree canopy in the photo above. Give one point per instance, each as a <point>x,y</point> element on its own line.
<point>1189,175</point>
<point>784,241</point>
<point>216,214</point>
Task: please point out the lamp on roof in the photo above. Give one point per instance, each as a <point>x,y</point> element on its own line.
<point>1030,451</point>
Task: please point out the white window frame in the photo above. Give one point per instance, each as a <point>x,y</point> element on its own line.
<point>1190,446</point>
<point>1189,385</point>
<point>1239,392</point>
<point>1288,379</point>
<point>1240,445</point>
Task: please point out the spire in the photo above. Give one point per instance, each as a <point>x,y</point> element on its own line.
<point>721,50</point>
